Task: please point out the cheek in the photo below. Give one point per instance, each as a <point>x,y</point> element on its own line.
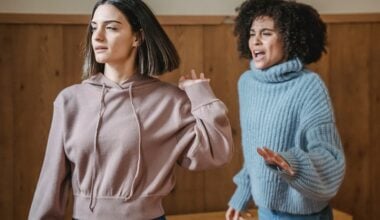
<point>93,40</point>
<point>281,54</point>
<point>250,44</point>
<point>277,51</point>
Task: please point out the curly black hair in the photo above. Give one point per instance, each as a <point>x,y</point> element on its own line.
<point>300,26</point>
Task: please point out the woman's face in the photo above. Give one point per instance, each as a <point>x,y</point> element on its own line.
<point>265,43</point>
<point>112,39</point>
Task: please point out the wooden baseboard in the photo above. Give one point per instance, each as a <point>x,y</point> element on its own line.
<point>338,215</point>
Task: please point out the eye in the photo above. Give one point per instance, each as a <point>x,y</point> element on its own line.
<point>252,34</point>
<point>93,28</point>
<point>267,33</point>
<point>112,28</point>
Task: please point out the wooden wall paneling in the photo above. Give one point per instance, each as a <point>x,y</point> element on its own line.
<point>188,41</point>
<point>73,41</point>
<point>374,147</point>
<point>73,54</point>
<point>40,60</point>
<point>223,66</point>
<point>322,67</point>
<point>349,88</point>
<point>187,196</point>
<point>6,118</point>
<point>37,49</point>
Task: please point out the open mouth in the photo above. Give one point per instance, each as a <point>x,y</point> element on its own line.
<point>258,54</point>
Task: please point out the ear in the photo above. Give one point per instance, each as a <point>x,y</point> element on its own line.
<point>138,38</point>
<point>136,41</point>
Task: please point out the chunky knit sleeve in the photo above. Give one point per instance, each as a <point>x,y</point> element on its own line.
<point>319,162</point>
<point>50,197</point>
<point>205,130</point>
<point>242,195</point>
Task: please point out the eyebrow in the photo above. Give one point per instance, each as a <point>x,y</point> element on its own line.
<point>264,29</point>
<point>107,22</point>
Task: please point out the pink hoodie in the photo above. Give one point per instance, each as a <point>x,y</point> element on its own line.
<point>117,146</point>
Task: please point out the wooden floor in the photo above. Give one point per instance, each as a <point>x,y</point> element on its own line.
<point>338,215</point>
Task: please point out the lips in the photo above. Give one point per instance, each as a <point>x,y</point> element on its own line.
<point>100,48</point>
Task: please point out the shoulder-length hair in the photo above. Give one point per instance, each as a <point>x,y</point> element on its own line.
<point>156,54</point>
<point>300,26</point>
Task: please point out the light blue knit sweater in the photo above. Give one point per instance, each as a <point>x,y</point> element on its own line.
<point>287,109</point>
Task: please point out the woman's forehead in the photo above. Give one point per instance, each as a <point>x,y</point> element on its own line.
<point>108,12</point>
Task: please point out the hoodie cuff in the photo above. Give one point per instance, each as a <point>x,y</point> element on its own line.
<point>200,94</point>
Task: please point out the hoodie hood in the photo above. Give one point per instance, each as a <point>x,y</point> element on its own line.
<point>101,80</point>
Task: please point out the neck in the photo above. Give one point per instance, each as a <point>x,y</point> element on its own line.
<point>119,74</point>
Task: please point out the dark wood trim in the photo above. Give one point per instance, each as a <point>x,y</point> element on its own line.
<point>351,18</point>
<point>9,18</point>
<point>191,20</point>
<point>6,18</point>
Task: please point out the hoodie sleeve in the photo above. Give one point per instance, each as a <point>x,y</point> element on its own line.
<point>51,194</point>
<point>205,130</point>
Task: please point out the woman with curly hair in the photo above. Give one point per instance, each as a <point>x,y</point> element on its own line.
<point>293,158</point>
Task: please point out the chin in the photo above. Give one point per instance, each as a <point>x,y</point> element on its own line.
<point>260,66</point>
<point>100,60</point>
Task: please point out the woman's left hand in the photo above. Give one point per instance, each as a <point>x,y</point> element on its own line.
<point>190,79</point>
<point>274,158</point>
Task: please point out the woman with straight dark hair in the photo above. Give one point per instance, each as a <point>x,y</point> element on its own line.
<point>116,138</point>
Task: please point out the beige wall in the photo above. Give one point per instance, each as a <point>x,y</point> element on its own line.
<point>179,7</point>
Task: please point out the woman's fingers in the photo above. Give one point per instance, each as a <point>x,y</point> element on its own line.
<point>230,213</point>
<point>265,154</point>
<point>193,74</point>
<point>202,76</point>
<point>192,78</point>
<point>285,166</point>
<point>272,157</point>
<point>236,215</point>
<point>262,153</point>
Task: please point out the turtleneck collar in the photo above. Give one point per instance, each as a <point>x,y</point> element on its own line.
<point>277,73</point>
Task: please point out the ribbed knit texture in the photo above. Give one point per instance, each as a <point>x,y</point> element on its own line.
<point>287,109</point>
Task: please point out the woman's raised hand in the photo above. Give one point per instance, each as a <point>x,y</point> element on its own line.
<point>190,79</point>
<point>274,158</point>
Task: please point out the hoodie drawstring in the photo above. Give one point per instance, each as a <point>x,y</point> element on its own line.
<point>140,147</point>
<point>94,171</point>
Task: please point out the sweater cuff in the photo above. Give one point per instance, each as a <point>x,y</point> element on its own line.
<point>240,199</point>
<point>294,162</point>
<point>200,94</point>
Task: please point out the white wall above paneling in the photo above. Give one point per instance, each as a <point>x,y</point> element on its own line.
<point>180,7</point>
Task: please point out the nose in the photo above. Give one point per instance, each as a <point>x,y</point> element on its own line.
<point>98,34</point>
<point>256,39</point>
